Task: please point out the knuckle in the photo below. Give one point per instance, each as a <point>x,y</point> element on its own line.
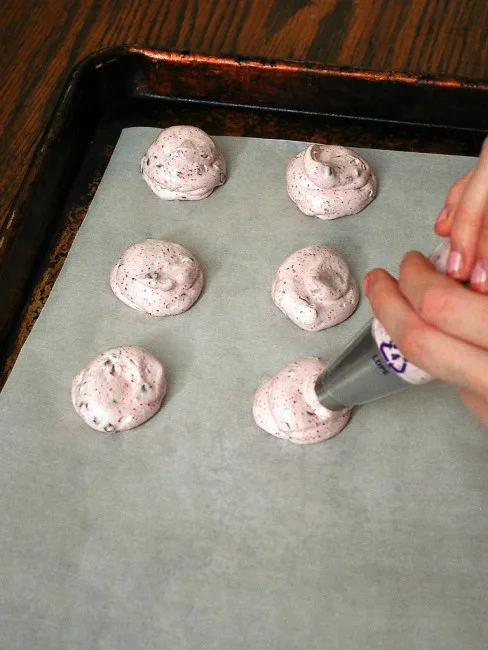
<point>453,194</point>
<point>411,342</point>
<point>480,316</point>
<point>465,218</point>
<point>483,237</point>
<point>435,305</point>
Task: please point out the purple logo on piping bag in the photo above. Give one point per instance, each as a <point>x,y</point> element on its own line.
<point>394,360</point>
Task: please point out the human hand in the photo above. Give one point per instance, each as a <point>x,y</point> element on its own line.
<point>464,219</point>
<point>438,324</point>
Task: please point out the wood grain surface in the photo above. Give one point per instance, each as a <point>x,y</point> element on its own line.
<point>41,40</point>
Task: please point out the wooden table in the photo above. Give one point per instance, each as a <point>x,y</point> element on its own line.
<point>41,40</point>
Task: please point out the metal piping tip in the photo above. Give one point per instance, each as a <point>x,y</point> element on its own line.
<point>324,397</point>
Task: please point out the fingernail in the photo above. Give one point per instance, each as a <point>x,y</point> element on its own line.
<point>442,216</point>
<point>479,275</point>
<point>366,284</point>
<point>454,263</point>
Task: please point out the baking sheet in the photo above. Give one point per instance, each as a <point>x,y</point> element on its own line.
<point>197,530</point>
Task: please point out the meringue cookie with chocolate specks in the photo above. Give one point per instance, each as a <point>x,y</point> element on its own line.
<point>329,181</point>
<point>315,288</point>
<point>120,389</point>
<point>157,277</point>
<point>287,406</point>
<point>183,164</point>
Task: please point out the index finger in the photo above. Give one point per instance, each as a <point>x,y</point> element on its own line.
<point>468,219</point>
<point>443,224</point>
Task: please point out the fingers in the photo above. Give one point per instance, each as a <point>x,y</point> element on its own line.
<point>477,405</point>
<point>443,302</point>
<point>443,223</point>
<point>479,273</point>
<point>469,232</point>
<point>432,350</point>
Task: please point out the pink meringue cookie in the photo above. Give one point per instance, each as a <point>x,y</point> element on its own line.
<point>287,406</point>
<point>328,181</point>
<point>158,277</point>
<point>120,389</point>
<point>183,164</point>
<point>315,288</point>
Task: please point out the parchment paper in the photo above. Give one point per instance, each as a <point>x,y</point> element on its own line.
<point>197,530</point>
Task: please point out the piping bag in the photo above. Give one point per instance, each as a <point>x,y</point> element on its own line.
<point>371,366</point>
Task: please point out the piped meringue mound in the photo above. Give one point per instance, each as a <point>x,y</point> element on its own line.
<point>315,288</point>
<point>183,164</point>
<point>328,181</point>
<point>157,277</point>
<point>120,389</point>
<point>287,406</point>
